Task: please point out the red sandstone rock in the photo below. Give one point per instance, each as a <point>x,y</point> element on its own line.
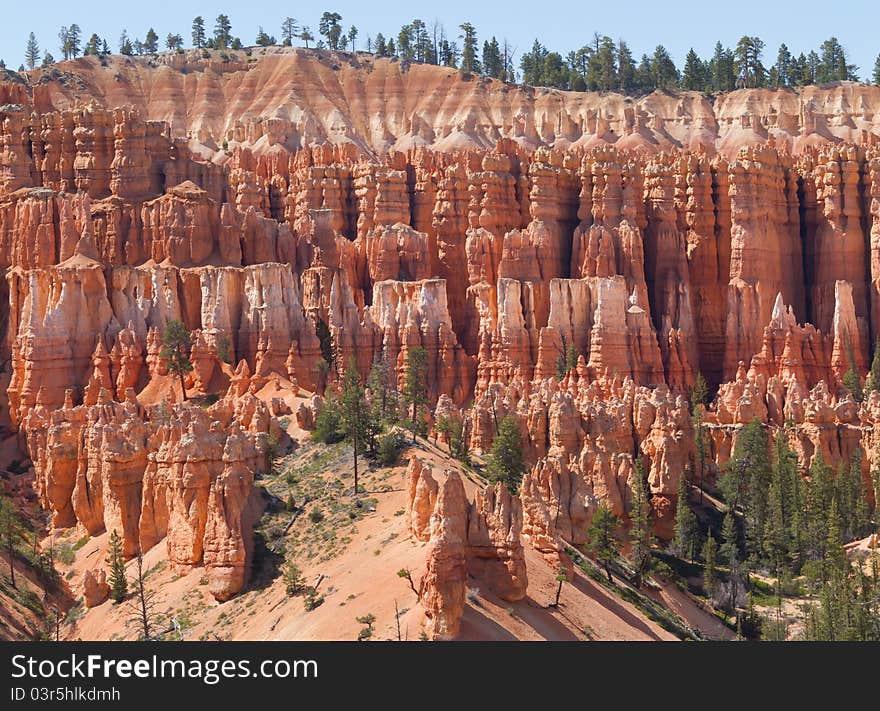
<point>736,260</point>
<point>442,588</point>
<point>94,587</point>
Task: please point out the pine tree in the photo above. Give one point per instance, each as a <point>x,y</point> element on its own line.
<point>116,562</point>
<point>747,56</point>
<point>63,42</point>
<point>746,480</point>
<point>784,74</point>
<point>850,496</point>
<point>729,549</point>
<point>9,533</point>
<point>602,65</point>
<point>699,393</point>
<point>379,47</point>
<point>811,68</point>
<point>853,383</point>
<point>875,76</point>
<point>198,32</point>
<point>685,541</point>
<point>832,63</point>
<point>143,604</point>
<point>306,36</point>
<point>383,392</point>
<point>415,389</point>
<point>151,42</point>
<point>492,60</point>
<point>328,423</point>
<point>663,70</point>
<point>125,46</point>
<point>69,38</point>
<point>468,37</point>
<point>776,544</point>
<point>405,49</point>
<point>32,52</point>
<point>294,581</point>
<point>262,39</point>
<point>93,46</point>
<point>820,494</point>
<point>872,382</point>
<point>710,563</point>
<point>531,64</point>
<point>174,42</point>
<point>692,78</point>
<point>448,53</point>
<point>834,560</point>
<point>329,27</point>
<point>458,446</point>
<point>176,345</point>
<point>505,461</point>
<point>716,69</point>
<point>222,32</point>
<point>626,69</point>
<point>730,555</point>
<point>354,414</point>
<point>602,537</point>
<point>640,520</point>
<point>784,531</point>
<point>288,31</point>
<point>561,578</point>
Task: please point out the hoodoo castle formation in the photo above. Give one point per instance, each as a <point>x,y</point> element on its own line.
<point>496,226</point>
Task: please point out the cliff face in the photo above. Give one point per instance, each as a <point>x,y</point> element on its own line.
<point>274,99</point>
<point>577,274</point>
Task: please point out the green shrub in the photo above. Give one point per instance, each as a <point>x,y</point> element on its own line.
<point>293,578</point>
<point>224,348</point>
<point>367,630</point>
<point>388,448</point>
<point>316,515</point>
<point>312,600</point>
<point>65,553</point>
<point>328,423</point>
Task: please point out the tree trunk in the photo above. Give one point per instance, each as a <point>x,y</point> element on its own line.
<point>11,563</point>
<point>558,593</point>
<point>608,571</point>
<point>144,619</point>
<point>182,385</point>
<point>355,462</point>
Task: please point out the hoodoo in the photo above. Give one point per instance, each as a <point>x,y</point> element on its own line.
<point>579,281</point>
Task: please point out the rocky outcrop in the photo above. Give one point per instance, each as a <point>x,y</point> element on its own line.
<point>177,473</point>
<point>479,539</point>
<point>442,587</point>
<point>95,588</point>
<point>495,551</point>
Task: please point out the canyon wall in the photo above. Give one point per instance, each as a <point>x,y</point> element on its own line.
<point>576,273</point>
<point>275,99</point>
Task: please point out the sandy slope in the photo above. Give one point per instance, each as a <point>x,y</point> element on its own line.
<point>362,579</point>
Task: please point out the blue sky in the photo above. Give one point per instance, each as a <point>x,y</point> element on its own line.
<point>560,24</point>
